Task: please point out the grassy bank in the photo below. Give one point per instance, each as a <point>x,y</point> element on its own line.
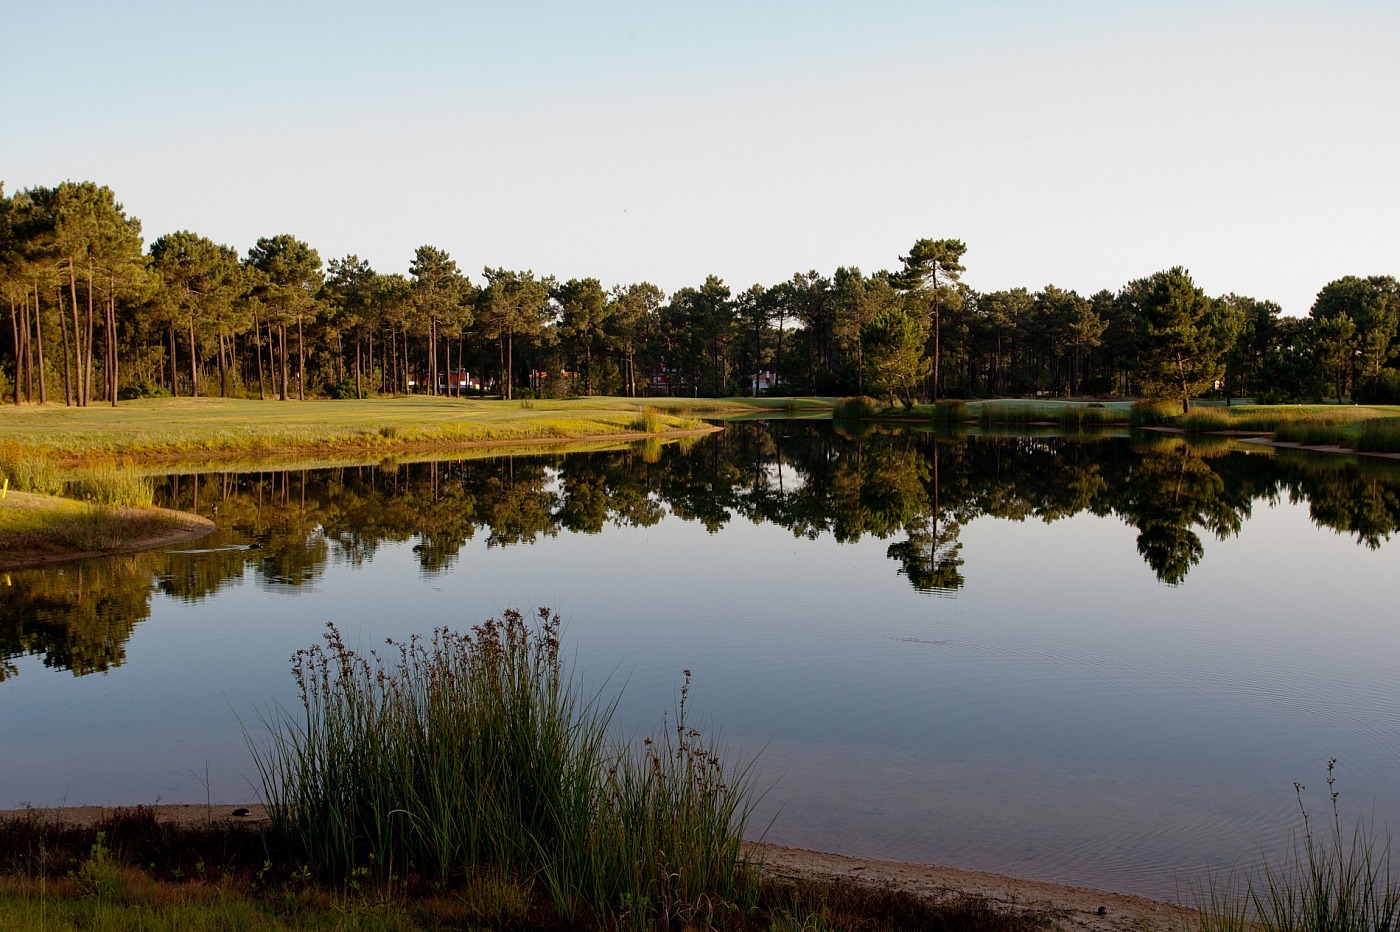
<point>39,528</point>
<point>1362,428</point>
<point>198,427</point>
<point>1071,414</point>
<point>130,873</point>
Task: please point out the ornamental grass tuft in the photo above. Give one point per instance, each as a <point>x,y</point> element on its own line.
<point>470,754</point>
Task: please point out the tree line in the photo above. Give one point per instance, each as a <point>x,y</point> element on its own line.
<point>916,490</point>
<point>96,316</point>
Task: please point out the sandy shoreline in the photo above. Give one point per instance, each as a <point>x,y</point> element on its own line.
<point>1074,907</point>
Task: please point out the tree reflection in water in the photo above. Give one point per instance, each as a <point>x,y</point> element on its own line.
<point>915,488</point>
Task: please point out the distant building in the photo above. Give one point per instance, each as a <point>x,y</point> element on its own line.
<point>762,381</point>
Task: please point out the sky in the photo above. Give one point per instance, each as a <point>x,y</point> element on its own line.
<point>1082,143</point>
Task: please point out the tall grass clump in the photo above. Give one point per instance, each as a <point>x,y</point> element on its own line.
<point>1380,435</point>
<point>1013,414</point>
<point>1330,881</point>
<point>1314,430</point>
<point>470,754</point>
<point>948,411</point>
<point>110,484</point>
<point>647,421</point>
<point>1261,418</point>
<point>29,472</point>
<point>1154,412</point>
<point>856,406</point>
<point>1205,420</point>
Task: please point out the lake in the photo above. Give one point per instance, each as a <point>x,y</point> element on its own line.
<point>1100,659</point>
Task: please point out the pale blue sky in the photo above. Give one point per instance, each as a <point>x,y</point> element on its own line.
<point>1076,143</point>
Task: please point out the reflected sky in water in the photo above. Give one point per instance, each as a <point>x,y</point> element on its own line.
<point>1071,704</point>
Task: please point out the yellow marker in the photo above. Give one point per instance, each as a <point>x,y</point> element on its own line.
<point>5,493</point>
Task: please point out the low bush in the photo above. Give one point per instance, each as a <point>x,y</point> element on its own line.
<point>1380,389</point>
<point>142,388</point>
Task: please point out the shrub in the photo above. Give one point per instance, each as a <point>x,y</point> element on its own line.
<point>142,388</point>
<point>1380,389</point>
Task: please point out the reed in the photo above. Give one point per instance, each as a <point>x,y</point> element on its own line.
<point>948,411</point>
<point>1201,420</point>
<point>1154,412</point>
<point>470,754</point>
<point>110,484</point>
<point>1012,413</point>
<point>1314,431</point>
<point>28,471</point>
<point>1381,435</point>
<point>647,421</point>
<point>1330,881</point>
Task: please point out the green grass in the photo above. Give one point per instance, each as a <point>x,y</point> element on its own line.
<point>1064,414</point>
<point>470,753</point>
<point>169,428</point>
<point>35,527</point>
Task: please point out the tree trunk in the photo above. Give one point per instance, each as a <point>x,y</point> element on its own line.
<point>510,364</point>
<point>301,364</point>
<point>87,363</point>
<point>282,355</point>
<point>112,342</point>
<point>14,330</point>
<point>75,392</point>
<point>257,350</point>
<point>194,363</point>
<point>67,360</point>
<point>39,348</point>
<point>223,368</point>
<point>174,379</point>
<point>28,351</point>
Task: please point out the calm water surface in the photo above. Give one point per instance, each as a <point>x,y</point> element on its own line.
<point>1098,661</point>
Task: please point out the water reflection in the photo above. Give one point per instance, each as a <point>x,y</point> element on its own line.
<point>918,489</point>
